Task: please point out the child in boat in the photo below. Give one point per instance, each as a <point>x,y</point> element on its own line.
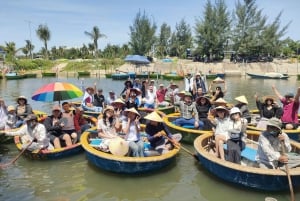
<point>221,122</point>
<point>159,136</point>
<point>237,135</point>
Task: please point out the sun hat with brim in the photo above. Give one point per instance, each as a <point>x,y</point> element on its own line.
<point>187,93</point>
<point>136,90</point>
<point>275,123</point>
<point>289,95</point>
<point>118,146</point>
<point>201,97</point>
<point>111,92</point>
<point>221,108</point>
<point>173,85</point>
<point>268,97</point>
<point>56,107</point>
<point>22,98</point>
<point>11,108</point>
<point>117,101</point>
<point>161,85</point>
<point>242,99</point>
<point>235,110</point>
<point>132,110</point>
<point>80,109</point>
<point>198,74</point>
<point>218,80</point>
<point>153,116</point>
<point>31,117</point>
<point>109,107</point>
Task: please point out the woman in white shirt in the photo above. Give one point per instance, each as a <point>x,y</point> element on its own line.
<point>131,128</point>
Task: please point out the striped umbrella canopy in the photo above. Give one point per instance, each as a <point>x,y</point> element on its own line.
<point>57,91</point>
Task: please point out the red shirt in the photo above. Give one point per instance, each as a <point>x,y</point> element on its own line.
<point>160,94</point>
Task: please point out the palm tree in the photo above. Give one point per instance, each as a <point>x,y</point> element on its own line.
<point>95,34</point>
<point>29,47</point>
<point>43,33</point>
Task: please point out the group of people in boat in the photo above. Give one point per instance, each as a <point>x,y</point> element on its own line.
<point>61,128</point>
<point>209,111</point>
<point>122,121</point>
<point>135,93</point>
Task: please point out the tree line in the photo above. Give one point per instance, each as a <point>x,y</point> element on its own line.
<point>244,30</point>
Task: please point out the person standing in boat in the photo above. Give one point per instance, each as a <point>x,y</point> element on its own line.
<point>161,96</point>
<point>189,83</point>
<point>290,107</point>
<point>237,135</point>
<point>131,128</point>
<point>269,146</point>
<point>33,134</point>
<point>199,82</point>
<point>188,111</point>
<point>23,109</point>
<point>267,108</point>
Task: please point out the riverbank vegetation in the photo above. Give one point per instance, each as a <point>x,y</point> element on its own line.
<point>218,32</point>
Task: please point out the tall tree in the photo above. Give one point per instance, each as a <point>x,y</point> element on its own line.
<point>181,39</point>
<point>249,23</point>
<point>212,32</point>
<point>142,34</point>
<point>11,50</point>
<point>44,35</point>
<point>163,43</point>
<point>95,35</point>
<point>29,47</point>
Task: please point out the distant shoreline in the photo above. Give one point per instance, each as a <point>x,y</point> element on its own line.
<point>188,66</point>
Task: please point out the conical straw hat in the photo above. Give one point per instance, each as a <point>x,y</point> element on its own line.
<point>153,116</point>
<point>119,100</point>
<point>221,101</point>
<point>118,146</point>
<point>242,99</point>
<point>133,110</point>
<point>218,80</point>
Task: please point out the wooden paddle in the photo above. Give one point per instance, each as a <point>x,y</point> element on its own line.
<point>179,146</point>
<point>288,174</point>
<point>5,165</point>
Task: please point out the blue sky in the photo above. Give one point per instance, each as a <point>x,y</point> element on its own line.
<point>68,19</point>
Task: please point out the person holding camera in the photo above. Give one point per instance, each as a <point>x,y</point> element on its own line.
<point>269,146</point>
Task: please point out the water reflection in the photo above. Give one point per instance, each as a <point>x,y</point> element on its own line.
<point>75,179</point>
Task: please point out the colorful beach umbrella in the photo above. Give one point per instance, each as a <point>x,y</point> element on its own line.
<point>57,91</point>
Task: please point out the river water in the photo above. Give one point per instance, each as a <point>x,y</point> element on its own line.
<point>74,178</point>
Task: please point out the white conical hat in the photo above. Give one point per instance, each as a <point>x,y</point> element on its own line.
<point>118,146</point>
<point>218,80</point>
<point>153,116</point>
<point>242,99</point>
